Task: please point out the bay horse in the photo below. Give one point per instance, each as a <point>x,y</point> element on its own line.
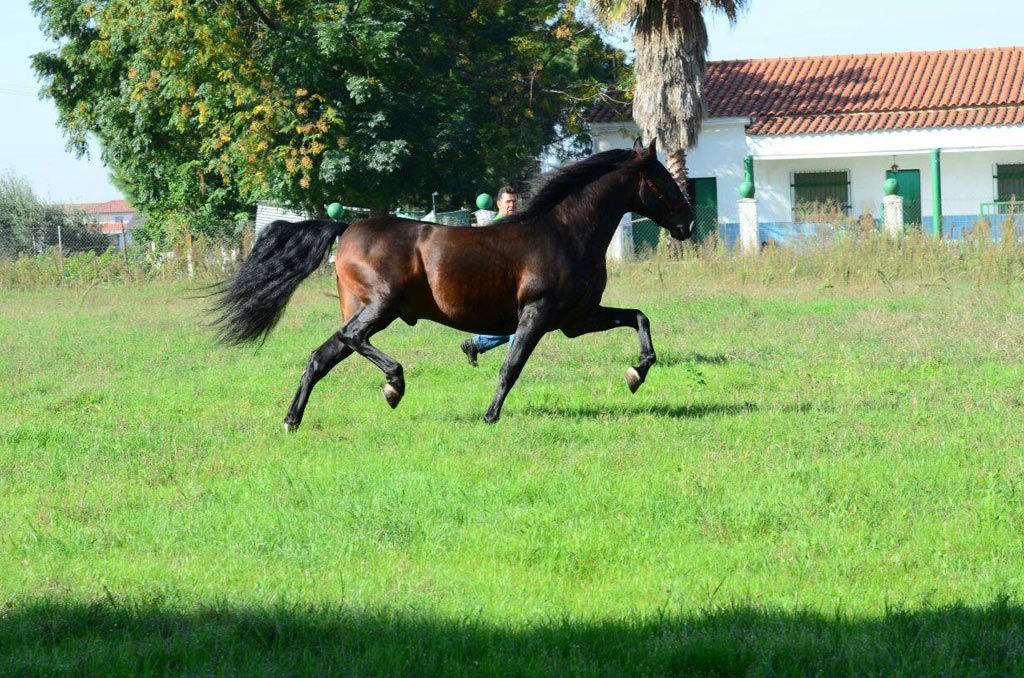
<point>535,271</point>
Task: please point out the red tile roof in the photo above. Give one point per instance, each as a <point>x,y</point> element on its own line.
<point>863,92</point>
<point>615,109</point>
<point>102,207</point>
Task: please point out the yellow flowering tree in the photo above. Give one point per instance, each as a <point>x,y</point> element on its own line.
<point>204,107</point>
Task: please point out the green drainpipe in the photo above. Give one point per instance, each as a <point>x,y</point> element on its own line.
<point>936,193</point>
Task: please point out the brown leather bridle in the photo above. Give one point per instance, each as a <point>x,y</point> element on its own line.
<point>672,209</point>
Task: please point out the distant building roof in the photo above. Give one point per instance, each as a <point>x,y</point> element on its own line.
<point>862,92</point>
<point>101,207</point>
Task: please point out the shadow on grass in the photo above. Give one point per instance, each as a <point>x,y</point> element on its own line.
<point>54,637</point>
<point>693,411</point>
<point>670,359</point>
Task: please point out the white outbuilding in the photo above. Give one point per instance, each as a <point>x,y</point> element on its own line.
<point>949,125</point>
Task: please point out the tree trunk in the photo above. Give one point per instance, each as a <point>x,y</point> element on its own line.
<point>188,252</point>
<point>676,166</point>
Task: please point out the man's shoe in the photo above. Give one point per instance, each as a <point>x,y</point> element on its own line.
<point>469,348</point>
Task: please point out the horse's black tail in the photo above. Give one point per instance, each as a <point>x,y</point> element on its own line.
<point>250,302</point>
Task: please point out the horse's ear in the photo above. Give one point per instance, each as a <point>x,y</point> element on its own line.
<point>638,148</point>
<point>652,148</point>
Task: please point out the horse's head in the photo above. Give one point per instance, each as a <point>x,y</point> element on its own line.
<point>658,196</point>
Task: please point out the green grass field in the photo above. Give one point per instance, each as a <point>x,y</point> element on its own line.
<point>814,480</point>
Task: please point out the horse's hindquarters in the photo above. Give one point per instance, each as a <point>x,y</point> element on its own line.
<point>471,279</point>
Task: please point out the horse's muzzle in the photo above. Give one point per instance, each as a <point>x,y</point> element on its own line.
<point>680,232</point>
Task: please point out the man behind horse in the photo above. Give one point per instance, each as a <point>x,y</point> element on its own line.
<point>482,343</point>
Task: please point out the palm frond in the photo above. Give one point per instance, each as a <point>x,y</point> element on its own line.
<point>626,12</point>
<point>671,42</point>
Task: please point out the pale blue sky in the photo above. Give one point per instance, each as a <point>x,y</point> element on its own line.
<point>32,146</point>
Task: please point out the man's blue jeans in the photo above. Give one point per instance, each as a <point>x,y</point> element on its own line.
<point>485,342</point>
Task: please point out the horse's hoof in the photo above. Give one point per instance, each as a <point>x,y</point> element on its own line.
<point>633,379</point>
<point>489,419</point>
<point>290,427</point>
<point>392,395</point>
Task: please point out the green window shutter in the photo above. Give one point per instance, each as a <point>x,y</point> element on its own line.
<point>1010,183</point>
<point>814,191</point>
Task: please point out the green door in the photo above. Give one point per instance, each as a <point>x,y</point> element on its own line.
<point>910,191</point>
<point>704,194</point>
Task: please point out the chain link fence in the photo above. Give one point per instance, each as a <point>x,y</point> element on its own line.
<point>56,255</point>
<point>1003,219</point>
<point>454,218</point>
<point>644,238</point>
<point>68,238</point>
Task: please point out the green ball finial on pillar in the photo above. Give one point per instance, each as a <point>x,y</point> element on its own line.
<point>746,188</point>
<point>891,186</point>
<point>334,210</point>
<point>484,202</point>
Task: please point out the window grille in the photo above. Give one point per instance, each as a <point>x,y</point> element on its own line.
<point>817,191</point>
<point>1010,183</point>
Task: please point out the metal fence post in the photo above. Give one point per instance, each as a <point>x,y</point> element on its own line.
<point>60,252</point>
<point>124,245</point>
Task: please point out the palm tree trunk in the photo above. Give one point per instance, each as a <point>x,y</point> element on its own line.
<point>676,166</point>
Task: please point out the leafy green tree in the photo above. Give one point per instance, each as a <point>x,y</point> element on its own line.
<point>203,107</point>
<point>29,226</point>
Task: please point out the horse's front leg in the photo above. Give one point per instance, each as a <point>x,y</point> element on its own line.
<point>534,321</point>
<point>602,318</point>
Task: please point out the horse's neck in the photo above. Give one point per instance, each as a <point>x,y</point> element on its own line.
<point>590,220</point>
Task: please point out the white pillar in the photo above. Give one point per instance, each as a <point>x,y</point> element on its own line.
<point>484,217</point>
<point>748,226</point>
<point>621,246</point>
<point>892,215</point>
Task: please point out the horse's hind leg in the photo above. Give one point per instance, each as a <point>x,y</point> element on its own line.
<point>321,361</point>
<point>356,334</point>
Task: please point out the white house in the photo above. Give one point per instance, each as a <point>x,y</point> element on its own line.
<point>832,128</point>
<point>116,218</point>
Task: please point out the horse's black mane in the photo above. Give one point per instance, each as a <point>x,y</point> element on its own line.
<point>557,185</point>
